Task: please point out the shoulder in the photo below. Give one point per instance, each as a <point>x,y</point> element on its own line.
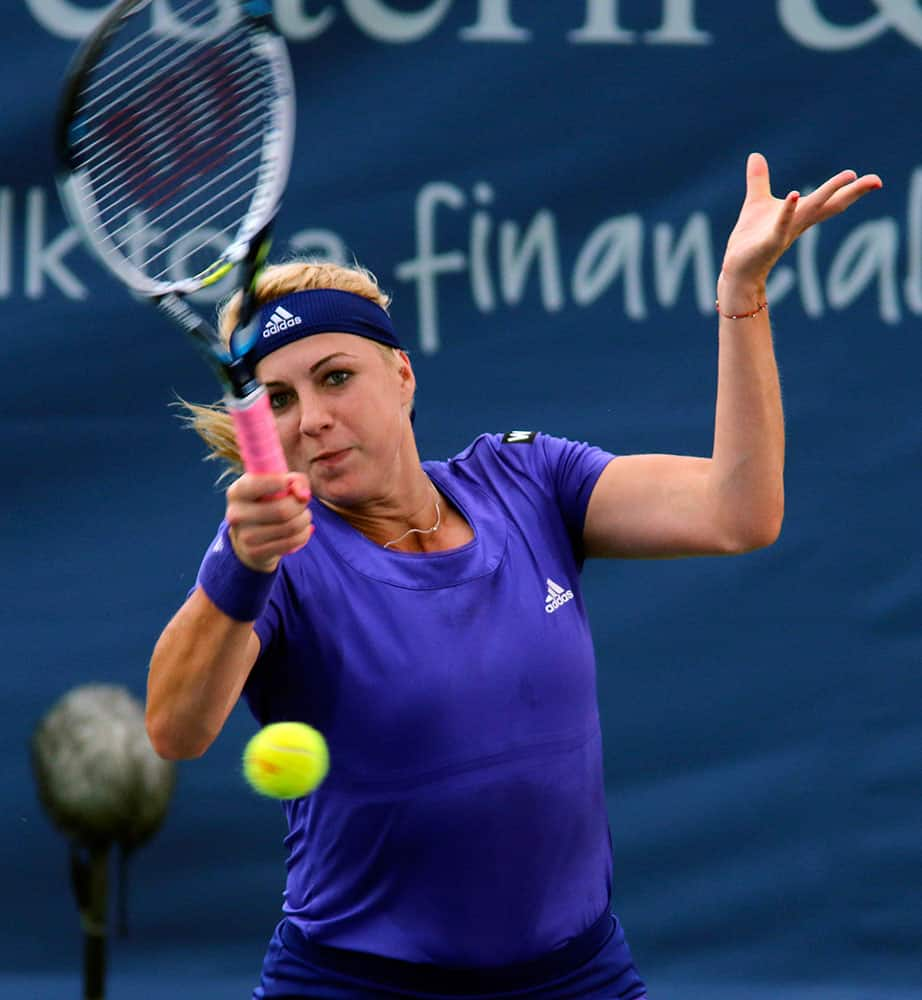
<point>492,457</point>
<point>531,463</point>
<point>511,447</point>
<point>534,452</point>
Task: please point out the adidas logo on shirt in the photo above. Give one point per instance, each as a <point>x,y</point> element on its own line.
<point>281,319</point>
<point>557,597</point>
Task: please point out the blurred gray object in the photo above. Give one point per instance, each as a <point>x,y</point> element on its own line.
<point>102,784</point>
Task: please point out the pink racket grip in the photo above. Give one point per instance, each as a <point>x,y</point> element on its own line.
<point>257,437</point>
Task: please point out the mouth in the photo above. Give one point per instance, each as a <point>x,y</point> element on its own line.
<point>330,458</point>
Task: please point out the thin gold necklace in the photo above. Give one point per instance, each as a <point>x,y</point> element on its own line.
<point>423,531</point>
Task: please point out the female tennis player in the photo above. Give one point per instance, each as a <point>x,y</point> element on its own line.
<point>427,618</point>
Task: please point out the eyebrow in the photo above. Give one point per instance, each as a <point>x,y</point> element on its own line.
<point>316,366</point>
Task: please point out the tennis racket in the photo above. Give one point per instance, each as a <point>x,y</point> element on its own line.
<point>173,143</point>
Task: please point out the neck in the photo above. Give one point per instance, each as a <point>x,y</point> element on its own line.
<point>403,525</point>
<point>422,531</point>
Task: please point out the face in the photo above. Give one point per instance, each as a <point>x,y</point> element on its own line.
<point>340,407</point>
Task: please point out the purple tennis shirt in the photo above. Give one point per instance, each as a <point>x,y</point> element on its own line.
<point>463,821</point>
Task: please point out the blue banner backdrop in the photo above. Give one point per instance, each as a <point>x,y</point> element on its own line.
<point>546,189</point>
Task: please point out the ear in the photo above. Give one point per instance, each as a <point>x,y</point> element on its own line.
<point>407,378</point>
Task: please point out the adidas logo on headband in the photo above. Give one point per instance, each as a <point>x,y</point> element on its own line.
<point>301,314</point>
<point>281,319</point>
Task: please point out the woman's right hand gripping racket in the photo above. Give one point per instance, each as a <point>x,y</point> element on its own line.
<point>174,142</point>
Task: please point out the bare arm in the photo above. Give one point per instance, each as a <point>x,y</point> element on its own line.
<point>673,505</point>
<point>204,656</point>
<point>197,671</point>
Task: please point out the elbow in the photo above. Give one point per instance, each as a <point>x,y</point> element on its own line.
<point>171,743</point>
<point>762,538</point>
<point>757,533</point>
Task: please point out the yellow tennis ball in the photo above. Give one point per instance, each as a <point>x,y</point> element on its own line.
<point>286,760</point>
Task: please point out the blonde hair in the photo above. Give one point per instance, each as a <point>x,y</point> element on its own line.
<point>211,421</point>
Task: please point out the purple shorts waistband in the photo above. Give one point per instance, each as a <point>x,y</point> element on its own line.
<point>398,974</point>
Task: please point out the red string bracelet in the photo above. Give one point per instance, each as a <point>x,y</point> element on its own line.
<point>755,312</point>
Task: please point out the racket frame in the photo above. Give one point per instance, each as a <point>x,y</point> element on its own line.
<point>245,397</point>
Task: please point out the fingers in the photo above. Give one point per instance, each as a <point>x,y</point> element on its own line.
<point>268,517</point>
<point>263,512</point>
<point>840,191</point>
<point>785,220</point>
<point>834,196</point>
<point>262,546</point>
<point>825,191</point>
<point>758,184</point>
<point>251,487</point>
<point>767,226</point>
<point>848,194</point>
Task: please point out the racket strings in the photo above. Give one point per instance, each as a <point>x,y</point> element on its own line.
<point>156,102</point>
<point>147,41</point>
<point>99,148</point>
<point>132,132</point>
<point>208,231</point>
<point>193,199</point>
<point>205,237</point>
<point>198,207</point>
<point>172,136</point>
<point>150,44</point>
<point>111,184</point>
<point>186,70</point>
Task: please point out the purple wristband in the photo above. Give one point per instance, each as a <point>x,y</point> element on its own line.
<point>240,592</point>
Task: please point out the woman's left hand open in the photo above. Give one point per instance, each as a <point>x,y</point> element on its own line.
<point>767,225</point>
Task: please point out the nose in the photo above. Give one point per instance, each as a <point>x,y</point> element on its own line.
<point>314,417</point>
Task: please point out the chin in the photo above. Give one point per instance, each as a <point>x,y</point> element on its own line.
<point>342,490</point>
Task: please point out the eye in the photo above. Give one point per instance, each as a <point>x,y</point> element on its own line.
<point>279,399</point>
<point>337,378</point>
